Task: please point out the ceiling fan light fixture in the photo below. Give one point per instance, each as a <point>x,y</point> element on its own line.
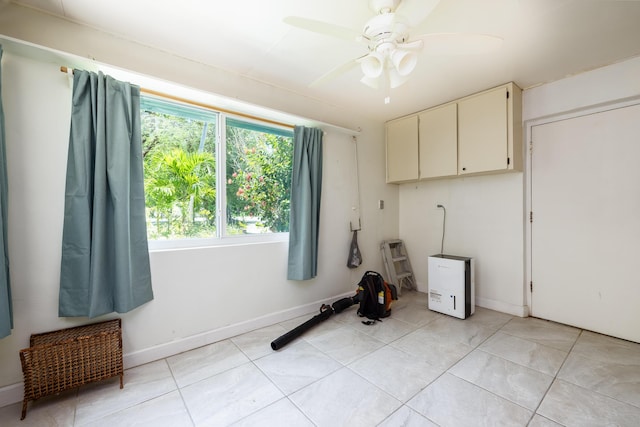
<point>404,61</point>
<point>371,82</point>
<point>372,65</point>
<point>395,78</point>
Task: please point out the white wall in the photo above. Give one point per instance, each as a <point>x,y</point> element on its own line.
<point>201,294</point>
<point>611,84</point>
<point>484,221</point>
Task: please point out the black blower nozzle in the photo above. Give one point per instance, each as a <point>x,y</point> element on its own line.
<point>325,312</point>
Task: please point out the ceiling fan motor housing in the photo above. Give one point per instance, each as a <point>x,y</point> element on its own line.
<point>387,27</point>
<point>383,6</point>
<point>386,33</point>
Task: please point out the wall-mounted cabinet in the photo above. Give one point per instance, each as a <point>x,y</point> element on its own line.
<point>486,134</point>
<point>481,133</point>
<point>402,149</point>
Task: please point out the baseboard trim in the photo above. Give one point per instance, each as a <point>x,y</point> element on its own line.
<point>189,343</point>
<point>11,394</point>
<point>14,393</point>
<point>514,310</point>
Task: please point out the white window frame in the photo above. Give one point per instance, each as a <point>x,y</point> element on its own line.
<point>222,238</point>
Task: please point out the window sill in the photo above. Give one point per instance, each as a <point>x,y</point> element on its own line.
<point>244,239</point>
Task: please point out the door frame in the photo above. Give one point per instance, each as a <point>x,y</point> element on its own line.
<point>527,150</point>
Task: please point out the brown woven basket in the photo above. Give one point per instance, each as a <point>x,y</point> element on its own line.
<point>68,358</point>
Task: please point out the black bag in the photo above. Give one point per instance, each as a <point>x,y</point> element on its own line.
<point>375,296</point>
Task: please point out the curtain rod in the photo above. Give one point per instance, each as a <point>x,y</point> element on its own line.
<point>224,110</point>
<point>201,104</point>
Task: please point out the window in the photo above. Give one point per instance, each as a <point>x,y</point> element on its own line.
<point>209,174</point>
<point>258,177</point>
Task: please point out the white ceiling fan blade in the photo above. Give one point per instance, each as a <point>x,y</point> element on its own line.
<point>459,43</point>
<point>332,74</point>
<point>322,28</point>
<point>414,46</point>
<point>416,11</point>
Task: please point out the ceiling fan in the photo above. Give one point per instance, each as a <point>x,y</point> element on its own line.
<point>392,49</point>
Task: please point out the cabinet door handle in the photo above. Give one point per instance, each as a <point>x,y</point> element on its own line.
<point>464,169</point>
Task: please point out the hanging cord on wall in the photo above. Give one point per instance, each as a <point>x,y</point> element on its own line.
<point>355,257</point>
<point>355,149</point>
<point>444,221</point>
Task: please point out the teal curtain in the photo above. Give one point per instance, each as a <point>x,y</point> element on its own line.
<point>105,256</point>
<point>6,309</point>
<point>306,188</point>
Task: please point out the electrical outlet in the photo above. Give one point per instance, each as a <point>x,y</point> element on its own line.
<point>439,205</point>
<point>380,204</point>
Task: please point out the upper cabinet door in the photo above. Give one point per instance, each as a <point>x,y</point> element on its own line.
<point>402,150</point>
<point>483,132</point>
<point>439,142</point>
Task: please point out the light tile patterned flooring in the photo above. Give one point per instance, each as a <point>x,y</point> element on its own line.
<point>416,368</point>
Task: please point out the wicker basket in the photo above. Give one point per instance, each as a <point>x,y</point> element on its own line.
<point>68,358</point>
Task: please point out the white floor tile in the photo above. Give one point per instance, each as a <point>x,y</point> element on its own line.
<point>396,372</point>
<point>616,380</point>
<point>406,417</point>
<point>230,396</point>
<point>345,344</point>
<point>344,399</point>
<point>490,319</point>
<point>524,352</point>
<point>50,411</point>
<point>540,421</point>
<point>452,329</point>
<point>514,382</point>
<point>608,349</point>
<point>204,362</point>
<point>164,411</point>
<point>451,401</point>
<point>296,365</point>
<point>571,405</point>
<point>141,383</point>
<point>279,414</point>
<point>543,332</point>
<point>437,351</point>
<point>416,315</point>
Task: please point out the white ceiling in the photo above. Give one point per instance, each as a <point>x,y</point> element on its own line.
<point>543,40</point>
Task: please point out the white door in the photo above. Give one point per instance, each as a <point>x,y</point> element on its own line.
<point>585,235</point>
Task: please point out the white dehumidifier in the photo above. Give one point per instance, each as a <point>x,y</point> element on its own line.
<point>451,285</point>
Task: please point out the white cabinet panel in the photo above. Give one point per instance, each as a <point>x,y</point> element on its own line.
<point>439,142</point>
<point>402,149</point>
<point>483,138</point>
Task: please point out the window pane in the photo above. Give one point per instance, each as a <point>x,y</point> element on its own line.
<point>258,173</point>
<point>180,170</point>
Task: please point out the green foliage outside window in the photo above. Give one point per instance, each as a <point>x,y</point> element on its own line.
<point>180,177</point>
<point>259,178</point>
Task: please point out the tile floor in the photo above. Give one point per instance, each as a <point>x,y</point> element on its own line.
<point>416,368</point>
